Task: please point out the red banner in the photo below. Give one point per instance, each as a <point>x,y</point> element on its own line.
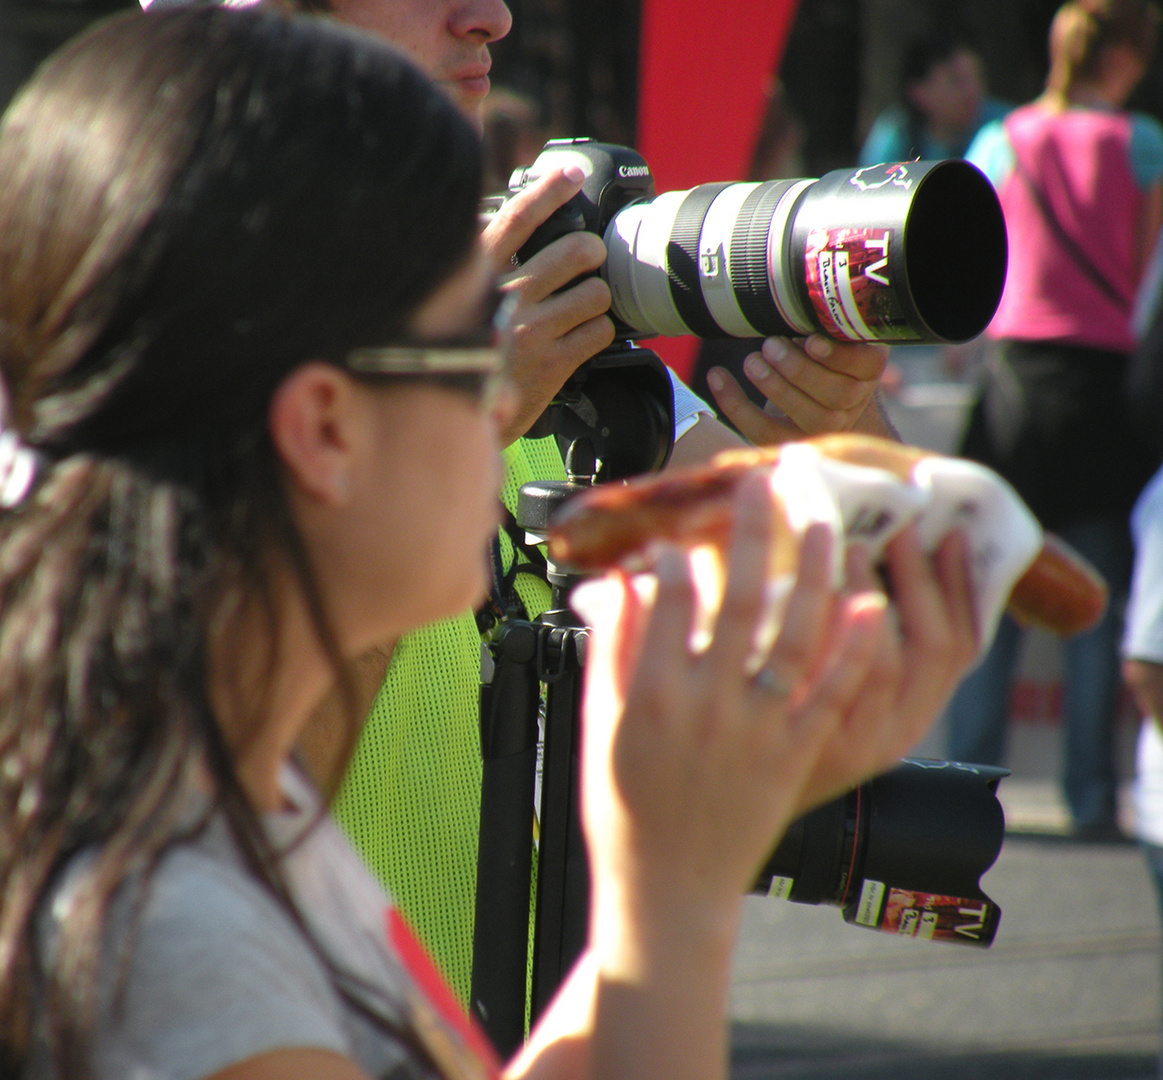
<point>704,72</point>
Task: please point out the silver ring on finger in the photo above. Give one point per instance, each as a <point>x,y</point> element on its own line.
<point>770,683</point>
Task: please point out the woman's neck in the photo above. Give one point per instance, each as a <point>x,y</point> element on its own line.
<point>268,670</point>
<point>1054,101</point>
<point>1118,74</point>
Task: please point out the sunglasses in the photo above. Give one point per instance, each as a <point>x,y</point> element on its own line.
<point>475,363</point>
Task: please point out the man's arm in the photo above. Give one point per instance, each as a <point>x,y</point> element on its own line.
<point>699,443</point>
<point>1145,678</point>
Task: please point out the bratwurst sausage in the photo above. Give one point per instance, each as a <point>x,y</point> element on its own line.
<point>611,524</point>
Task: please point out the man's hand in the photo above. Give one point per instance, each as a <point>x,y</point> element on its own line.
<point>813,385</point>
<point>555,331</point>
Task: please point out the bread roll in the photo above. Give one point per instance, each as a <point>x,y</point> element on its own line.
<point>876,485</point>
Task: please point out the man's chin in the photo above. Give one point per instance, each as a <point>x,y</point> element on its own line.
<point>469,96</point>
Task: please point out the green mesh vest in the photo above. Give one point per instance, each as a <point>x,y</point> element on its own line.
<point>411,799</point>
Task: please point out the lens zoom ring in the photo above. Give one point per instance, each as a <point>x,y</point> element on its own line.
<point>682,261</point>
<point>748,258</point>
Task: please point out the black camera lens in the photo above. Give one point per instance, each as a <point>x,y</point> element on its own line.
<point>903,853</point>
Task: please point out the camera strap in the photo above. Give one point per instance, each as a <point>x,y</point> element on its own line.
<point>504,600</point>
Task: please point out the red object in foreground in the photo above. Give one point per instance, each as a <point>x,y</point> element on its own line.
<point>451,1036</point>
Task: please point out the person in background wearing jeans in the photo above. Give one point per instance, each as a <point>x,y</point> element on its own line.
<point>1081,183</point>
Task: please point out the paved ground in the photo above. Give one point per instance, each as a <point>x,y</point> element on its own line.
<point>1070,989</point>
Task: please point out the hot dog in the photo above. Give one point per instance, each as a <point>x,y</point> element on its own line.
<point>611,525</point>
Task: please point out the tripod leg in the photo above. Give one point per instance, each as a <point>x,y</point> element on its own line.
<point>563,871</point>
<point>509,712</point>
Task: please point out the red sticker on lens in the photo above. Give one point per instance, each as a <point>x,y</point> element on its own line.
<point>930,917</point>
<point>850,284</point>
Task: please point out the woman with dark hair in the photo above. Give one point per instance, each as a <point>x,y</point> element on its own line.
<point>1080,179</point>
<point>943,102</point>
<point>250,346</point>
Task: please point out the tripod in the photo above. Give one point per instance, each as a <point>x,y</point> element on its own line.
<point>525,655</point>
<point>617,407</point>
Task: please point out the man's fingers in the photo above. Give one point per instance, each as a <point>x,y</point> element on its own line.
<point>755,425</point>
<point>517,219</point>
<point>864,361</point>
<point>550,342</point>
<point>556,265</point>
<point>588,338</point>
<point>782,367</point>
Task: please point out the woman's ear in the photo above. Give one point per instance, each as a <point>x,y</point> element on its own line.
<point>316,425</point>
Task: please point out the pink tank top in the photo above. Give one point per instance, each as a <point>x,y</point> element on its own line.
<point>1080,158</point>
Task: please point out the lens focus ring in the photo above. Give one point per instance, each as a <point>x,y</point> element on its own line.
<point>682,261</point>
<point>749,271</point>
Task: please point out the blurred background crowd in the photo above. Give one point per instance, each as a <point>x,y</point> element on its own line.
<point>575,63</point>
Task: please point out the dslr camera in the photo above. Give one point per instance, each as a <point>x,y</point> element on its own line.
<point>906,252</point>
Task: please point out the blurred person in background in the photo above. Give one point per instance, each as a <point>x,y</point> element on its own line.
<point>943,102</point>
<point>1081,184</point>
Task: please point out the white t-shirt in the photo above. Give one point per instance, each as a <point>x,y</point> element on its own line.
<point>1143,640</point>
<point>220,972</point>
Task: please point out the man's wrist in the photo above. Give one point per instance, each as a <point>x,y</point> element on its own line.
<point>875,421</point>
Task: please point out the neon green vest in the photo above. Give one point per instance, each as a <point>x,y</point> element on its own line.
<point>411,799</point>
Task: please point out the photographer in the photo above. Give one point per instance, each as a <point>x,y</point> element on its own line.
<point>410,798</point>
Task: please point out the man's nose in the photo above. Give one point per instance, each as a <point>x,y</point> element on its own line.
<point>490,20</point>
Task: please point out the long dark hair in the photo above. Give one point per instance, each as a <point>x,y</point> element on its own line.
<point>193,202</point>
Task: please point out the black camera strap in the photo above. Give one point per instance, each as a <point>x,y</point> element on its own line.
<point>504,602</point>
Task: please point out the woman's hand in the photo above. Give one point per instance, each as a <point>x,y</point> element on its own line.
<point>932,644</point>
<point>693,768</point>
<point>813,385</point>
